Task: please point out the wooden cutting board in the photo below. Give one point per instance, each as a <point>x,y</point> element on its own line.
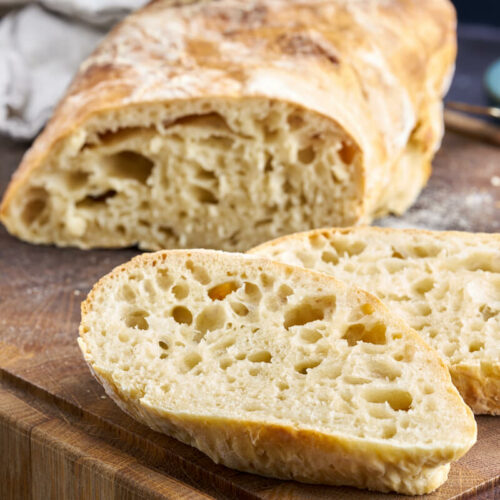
<point>62,438</point>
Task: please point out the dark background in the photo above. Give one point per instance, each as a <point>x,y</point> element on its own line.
<point>478,47</point>
<point>478,11</point>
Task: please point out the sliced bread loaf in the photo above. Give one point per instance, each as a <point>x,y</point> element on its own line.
<point>223,124</point>
<point>445,285</point>
<point>275,369</point>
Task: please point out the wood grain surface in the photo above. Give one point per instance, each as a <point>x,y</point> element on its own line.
<point>62,438</point>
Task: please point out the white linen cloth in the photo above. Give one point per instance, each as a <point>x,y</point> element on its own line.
<point>40,51</point>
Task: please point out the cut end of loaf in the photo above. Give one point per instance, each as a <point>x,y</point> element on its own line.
<point>219,349</point>
<point>213,174</point>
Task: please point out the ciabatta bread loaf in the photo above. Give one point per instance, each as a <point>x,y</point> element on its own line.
<point>223,124</point>
<point>446,285</point>
<point>275,369</point>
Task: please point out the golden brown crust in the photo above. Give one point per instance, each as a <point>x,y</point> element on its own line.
<point>479,386</point>
<point>376,68</point>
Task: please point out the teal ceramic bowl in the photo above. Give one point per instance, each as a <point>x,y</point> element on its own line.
<point>492,81</point>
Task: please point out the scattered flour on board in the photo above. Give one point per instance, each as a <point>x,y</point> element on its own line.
<point>446,211</point>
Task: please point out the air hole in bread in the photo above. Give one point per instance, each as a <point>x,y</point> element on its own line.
<point>211,318</point>
<point>260,357</point>
<point>304,366</point>
<point>128,293</point>
<point>284,291</point>
<point>329,257</point>
<point>205,175</point>
<point>398,399</point>
<point>406,355</point>
<point>182,315</point>
<point>479,261</point>
<point>310,336</point>
<point>487,312</point>
<point>96,200</point>
<point>191,360</point>
<point>263,222</point>
<point>344,247</point>
<point>425,251</point>
<point>163,345</point>
<point>389,431</point>
<point>239,308</point>
<point>384,368</point>
<point>213,120</point>
<point>76,179</point>
<point>227,342</point>
<point>306,155</point>
<point>204,195</point>
<point>137,319</point>
<point>225,363</point>
<point>35,206</point>
<point>423,286</point>
<point>167,231</point>
<point>253,371</point>
<point>163,279</point>
<point>423,309</point>
<point>198,272</point>
<point>428,389</point>
<point>283,386</point>
<point>360,333</point>
<point>110,137</point>
<point>476,345</point>
<point>240,356</point>
<point>180,291</point>
<point>317,241</point>
<point>367,309</point>
<point>221,291</point>
<point>252,291</point>
<point>396,254</point>
<point>347,152</point>
<point>432,333</point>
<point>266,280</point>
<point>123,337</point>
<point>295,121</point>
<point>129,165</point>
<point>302,314</point>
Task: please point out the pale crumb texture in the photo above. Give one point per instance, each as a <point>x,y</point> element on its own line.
<point>207,174</point>
<point>445,285</point>
<point>274,369</point>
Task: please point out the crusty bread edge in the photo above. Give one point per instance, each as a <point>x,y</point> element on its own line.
<point>312,445</point>
<point>480,391</point>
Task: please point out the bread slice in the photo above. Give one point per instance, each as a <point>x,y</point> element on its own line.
<point>445,285</point>
<point>223,124</point>
<point>275,369</point>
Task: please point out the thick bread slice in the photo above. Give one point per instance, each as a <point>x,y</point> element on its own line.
<point>446,285</point>
<point>223,124</point>
<point>275,369</point>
